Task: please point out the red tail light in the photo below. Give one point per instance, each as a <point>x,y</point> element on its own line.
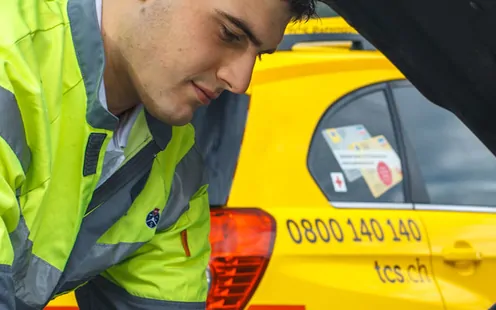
<point>242,242</point>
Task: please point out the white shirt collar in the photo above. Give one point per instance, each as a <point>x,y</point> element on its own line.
<point>98,4</point>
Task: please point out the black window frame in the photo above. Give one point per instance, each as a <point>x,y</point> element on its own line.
<point>417,187</point>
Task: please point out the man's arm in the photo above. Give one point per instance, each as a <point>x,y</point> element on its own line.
<point>167,273</point>
<point>14,160</point>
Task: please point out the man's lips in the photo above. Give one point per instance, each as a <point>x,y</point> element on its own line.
<point>203,94</point>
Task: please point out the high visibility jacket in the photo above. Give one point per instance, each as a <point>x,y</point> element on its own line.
<point>140,240</point>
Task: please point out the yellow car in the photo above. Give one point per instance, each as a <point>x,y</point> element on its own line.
<point>336,185</point>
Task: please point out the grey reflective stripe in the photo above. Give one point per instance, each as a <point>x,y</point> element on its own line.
<point>20,305</point>
<point>100,293</point>
<point>84,264</point>
<point>88,45</point>
<point>189,176</point>
<point>36,287</point>
<point>22,250</point>
<point>7,300</point>
<point>34,279</point>
<point>95,224</point>
<point>12,127</point>
<point>100,258</point>
<point>113,198</point>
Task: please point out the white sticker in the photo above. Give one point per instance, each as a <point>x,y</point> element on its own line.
<point>338,182</point>
<point>366,159</point>
<point>340,138</point>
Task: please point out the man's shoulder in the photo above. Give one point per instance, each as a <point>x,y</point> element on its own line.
<point>21,19</point>
<point>30,31</point>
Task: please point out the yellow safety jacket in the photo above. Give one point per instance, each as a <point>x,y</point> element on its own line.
<point>140,240</point>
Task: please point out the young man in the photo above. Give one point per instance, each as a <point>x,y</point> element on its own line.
<point>101,187</point>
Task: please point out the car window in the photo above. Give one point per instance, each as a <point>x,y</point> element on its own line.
<point>455,166</point>
<point>354,156</point>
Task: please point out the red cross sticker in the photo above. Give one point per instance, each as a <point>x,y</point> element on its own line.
<point>338,182</point>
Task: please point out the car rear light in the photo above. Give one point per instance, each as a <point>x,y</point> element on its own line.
<point>242,242</point>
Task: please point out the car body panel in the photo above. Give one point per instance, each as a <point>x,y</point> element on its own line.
<point>321,260</point>
<point>463,255</point>
<point>63,302</point>
<point>272,161</point>
<point>272,174</point>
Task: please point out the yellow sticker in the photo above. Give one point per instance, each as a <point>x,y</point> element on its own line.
<point>386,171</point>
<point>333,135</point>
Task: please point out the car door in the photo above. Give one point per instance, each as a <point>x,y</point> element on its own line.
<point>459,174</point>
<point>378,255</point>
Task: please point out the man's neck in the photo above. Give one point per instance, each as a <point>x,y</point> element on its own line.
<point>118,87</point>
<point>121,95</point>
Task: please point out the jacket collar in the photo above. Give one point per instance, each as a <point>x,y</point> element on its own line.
<point>161,132</point>
<point>88,46</point>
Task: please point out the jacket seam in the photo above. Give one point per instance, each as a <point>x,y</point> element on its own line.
<point>37,31</point>
<point>34,188</point>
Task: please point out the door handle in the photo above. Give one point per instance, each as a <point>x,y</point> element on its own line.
<point>462,251</point>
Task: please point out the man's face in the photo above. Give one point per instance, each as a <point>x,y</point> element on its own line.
<point>183,53</point>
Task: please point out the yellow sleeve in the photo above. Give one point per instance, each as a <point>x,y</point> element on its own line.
<point>14,160</point>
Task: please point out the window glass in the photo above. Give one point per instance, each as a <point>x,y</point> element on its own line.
<point>455,165</point>
<point>354,155</point>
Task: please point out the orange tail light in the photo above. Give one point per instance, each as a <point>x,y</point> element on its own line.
<point>242,242</point>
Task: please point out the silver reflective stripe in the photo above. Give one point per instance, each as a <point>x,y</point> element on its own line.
<point>36,288</point>
<point>88,44</point>
<point>12,127</point>
<point>189,176</point>
<point>100,293</point>
<point>100,258</point>
<point>7,300</point>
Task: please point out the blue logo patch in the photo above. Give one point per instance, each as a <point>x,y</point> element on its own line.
<point>152,218</point>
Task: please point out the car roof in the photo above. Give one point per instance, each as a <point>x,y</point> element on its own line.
<point>446,48</point>
<point>328,28</point>
<point>318,43</point>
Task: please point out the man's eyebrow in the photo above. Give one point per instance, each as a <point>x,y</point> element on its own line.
<point>241,24</point>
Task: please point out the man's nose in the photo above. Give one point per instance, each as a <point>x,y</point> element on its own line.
<point>237,72</point>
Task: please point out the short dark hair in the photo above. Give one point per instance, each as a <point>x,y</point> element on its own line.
<point>302,9</point>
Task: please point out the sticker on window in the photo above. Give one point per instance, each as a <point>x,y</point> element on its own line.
<point>340,139</point>
<point>379,164</point>
<point>338,182</point>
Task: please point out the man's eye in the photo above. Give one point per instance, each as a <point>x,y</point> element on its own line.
<point>229,36</point>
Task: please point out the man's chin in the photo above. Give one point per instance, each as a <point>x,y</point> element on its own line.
<point>179,121</point>
<point>179,118</point>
